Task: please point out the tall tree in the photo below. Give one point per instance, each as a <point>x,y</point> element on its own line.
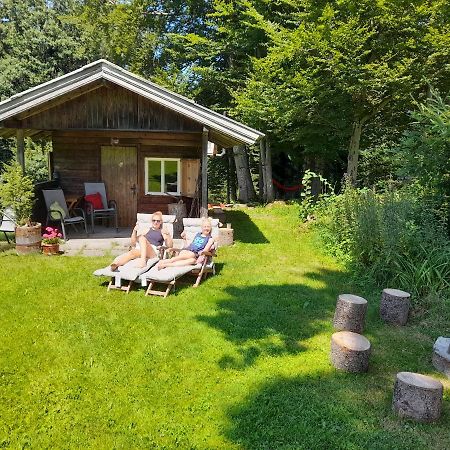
<point>36,43</point>
<point>345,65</point>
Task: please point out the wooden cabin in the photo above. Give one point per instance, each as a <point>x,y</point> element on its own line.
<point>147,144</point>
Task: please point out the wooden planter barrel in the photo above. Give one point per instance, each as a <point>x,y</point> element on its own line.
<point>50,249</point>
<point>28,239</point>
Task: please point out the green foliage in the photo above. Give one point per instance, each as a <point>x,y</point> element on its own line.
<point>392,236</point>
<point>344,63</point>
<point>36,160</point>
<point>36,43</point>
<point>315,194</point>
<point>424,152</point>
<point>17,192</point>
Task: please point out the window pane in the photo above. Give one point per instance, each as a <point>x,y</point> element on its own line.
<point>171,173</point>
<point>154,176</point>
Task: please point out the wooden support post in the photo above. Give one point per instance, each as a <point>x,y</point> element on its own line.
<point>204,195</point>
<point>20,148</point>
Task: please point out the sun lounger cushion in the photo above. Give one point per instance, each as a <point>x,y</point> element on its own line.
<point>128,271</point>
<point>169,273</point>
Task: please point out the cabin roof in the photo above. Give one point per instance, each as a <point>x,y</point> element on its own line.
<point>222,129</point>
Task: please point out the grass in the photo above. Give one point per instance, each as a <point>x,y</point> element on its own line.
<point>239,363</point>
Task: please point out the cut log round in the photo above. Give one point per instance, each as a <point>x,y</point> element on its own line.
<point>350,351</point>
<point>394,306</point>
<point>417,397</point>
<point>226,237</point>
<point>441,355</point>
<point>350,313</point>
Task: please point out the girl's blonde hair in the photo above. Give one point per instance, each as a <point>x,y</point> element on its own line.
<point>206,220</point>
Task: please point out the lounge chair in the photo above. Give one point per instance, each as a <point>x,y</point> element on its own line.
<point>169,275</point>
<point>107,209</point>
<point>57,210</point>
<point>125,275</point>
<point>8,224</point>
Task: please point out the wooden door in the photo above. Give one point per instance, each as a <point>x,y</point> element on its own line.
<point>119,173</point>
<point>189,175</point>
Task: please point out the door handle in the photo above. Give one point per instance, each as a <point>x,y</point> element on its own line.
<point>133,188</point>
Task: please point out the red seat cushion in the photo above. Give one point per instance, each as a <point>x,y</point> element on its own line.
<point>95,199</point>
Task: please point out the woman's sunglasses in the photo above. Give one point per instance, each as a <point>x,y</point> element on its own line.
<point>156,221</point>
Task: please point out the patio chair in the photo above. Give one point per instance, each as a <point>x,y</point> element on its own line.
<point>169,275</point>
<point>104,209</point>
<point>57,211</point>
<point>124,277</point>
<point>8,224</point>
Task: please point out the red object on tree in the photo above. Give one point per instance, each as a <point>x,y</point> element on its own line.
<point>287,188</point>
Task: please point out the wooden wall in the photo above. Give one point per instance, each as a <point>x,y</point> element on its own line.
<point>76,157</point>
<point>110,107</point>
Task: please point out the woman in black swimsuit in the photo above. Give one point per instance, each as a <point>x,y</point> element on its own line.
<point>148,243</point>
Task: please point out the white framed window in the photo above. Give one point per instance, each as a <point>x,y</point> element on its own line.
<point>162,176</point>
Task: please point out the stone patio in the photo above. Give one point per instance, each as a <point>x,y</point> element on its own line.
<point>105,241</point>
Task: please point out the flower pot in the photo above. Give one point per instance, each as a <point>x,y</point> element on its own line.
<point>50,249</point>
<point>28,239</point>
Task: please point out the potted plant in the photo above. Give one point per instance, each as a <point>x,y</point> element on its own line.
<point>17,193</point>
<point>50,241</point>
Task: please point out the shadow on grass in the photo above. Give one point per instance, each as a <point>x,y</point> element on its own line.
<point>245,229</point>
<point>323,411</point>
<point>273,320</point>
<point>4,246</point>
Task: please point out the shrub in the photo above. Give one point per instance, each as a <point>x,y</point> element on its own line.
<point>16,192</point>
<point>391,236</point>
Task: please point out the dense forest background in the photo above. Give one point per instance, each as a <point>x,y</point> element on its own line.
<point>332,83</point>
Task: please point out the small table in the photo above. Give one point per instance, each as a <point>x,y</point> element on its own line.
<point>72,201</point>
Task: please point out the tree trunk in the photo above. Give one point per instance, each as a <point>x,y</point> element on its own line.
<point>232,175</point>
<point>353,151</point>
<point>245,184</point>
<point>270,196</point>
<point>262,170</point>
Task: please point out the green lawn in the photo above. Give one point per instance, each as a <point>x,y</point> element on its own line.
<point>239,363</point>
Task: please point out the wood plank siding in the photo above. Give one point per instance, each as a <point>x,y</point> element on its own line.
<point>109,107</point>
<point>76,157</point>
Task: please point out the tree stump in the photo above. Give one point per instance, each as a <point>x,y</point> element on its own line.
<point>394,306</point>
<point>441,355</point>
<point>417,397</point>
<point>226,237</point>
<point>350,313</point>
<point>350,351</point>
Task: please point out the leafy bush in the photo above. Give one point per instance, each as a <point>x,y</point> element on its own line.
<point>315,194</point>
<point>425,152</point>
<point>17,192</point>
<point>392,236</point>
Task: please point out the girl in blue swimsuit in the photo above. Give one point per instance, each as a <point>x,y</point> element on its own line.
<point>201,243</point>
